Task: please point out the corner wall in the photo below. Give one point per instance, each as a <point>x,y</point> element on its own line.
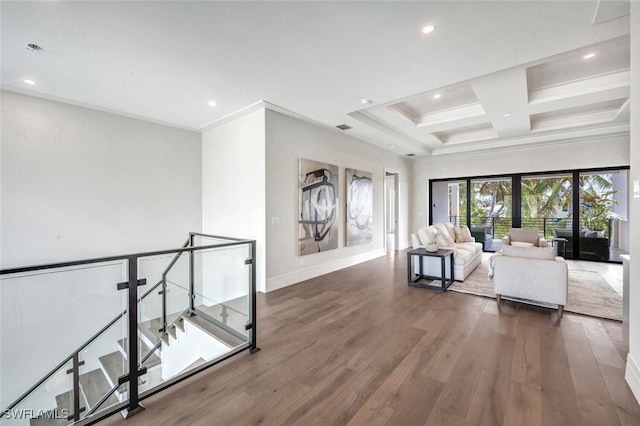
<point>632,373</point>
<point>233,182</point>
<point>287,140</point>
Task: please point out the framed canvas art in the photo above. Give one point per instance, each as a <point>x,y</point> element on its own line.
<point>318,207</point>
<point>359,212</point>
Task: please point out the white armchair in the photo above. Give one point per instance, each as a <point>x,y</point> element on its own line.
<point>524,236</point>
<point>531,274</point>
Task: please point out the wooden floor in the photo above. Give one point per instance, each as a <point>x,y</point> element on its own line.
<point>360,347</point>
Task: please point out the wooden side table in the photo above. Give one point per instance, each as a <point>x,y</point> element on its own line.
<point>413,279</point>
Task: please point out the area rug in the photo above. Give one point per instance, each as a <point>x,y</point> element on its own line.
<point>589,293</point>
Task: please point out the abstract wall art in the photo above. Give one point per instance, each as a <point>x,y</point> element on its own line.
<point>318,204</point>
<point>359,214</point>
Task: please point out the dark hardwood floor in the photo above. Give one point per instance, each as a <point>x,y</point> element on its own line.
<point>360,347</point>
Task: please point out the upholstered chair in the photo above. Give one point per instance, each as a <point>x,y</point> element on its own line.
<point>524,237</point>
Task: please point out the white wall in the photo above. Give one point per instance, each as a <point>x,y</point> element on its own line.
<point>78,183</point>
<point>288,140</point>
<point>633,359</point>
<point>569,155</point>
<point>233,183</point>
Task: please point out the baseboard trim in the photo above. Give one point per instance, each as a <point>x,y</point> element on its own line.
<point>632,376</point>
<point>290,278</point>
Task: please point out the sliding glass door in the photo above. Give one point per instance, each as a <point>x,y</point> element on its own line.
<point>547,204</point>
<point>603,212</point>
<point>491,210</point>
<point>582,213</point>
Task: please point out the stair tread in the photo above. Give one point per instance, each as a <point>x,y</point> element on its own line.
<point>193,365</point>
<point>42,421</point>
<point>64,401</point>
<point>214,331</point>
<point>114,365</point>
<point>152,361</point>
<point>235,316</point>
<point>94,386</point>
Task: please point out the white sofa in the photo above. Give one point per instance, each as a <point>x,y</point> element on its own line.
<point>467,253</point>
<point>530,274</point>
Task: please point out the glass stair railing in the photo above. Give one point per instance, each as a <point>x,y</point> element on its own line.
<point>180,327</point>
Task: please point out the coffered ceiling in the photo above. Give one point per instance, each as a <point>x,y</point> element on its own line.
<point>493,74</point>
<point>549,100</point>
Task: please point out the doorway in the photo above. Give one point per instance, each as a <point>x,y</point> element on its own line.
<point>391,213</point>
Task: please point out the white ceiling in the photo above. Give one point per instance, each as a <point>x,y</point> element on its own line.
<point>163,61</point>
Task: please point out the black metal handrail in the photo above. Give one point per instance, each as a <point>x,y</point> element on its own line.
<point>92,338</point>
<point>132,259</point>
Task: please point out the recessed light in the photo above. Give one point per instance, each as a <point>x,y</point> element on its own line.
<point>589,56</point>
<point>392,147</point>
<point>365,101</point>
<point>212,103</point>
<point>437,96</point>
<point>507,114</point>
<point>428,29</point>
<point>28,81</point>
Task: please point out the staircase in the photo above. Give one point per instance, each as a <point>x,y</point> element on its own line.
<point>98,382</point>
<point>206,270</point>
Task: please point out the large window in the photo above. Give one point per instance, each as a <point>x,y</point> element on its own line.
<point>491,209</point>
<point>546,204</point>
<point>601,212</point>
<point>583,213</point>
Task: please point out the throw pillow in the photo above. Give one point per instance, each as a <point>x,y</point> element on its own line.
<point>459,234</point>
<point>444,240</point>
<point>463,234</point>
<point>468,238</point>
<point>427,235</point>
<point>449,227</point>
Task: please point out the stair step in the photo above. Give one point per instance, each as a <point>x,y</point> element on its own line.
<point>151,329</point>
<point>64,401</point>
<point>152,361</point>
<point>214,331</point>
<point>94,386</point>
<point>42,421</point>
<point>193,365</point>
<point>172,331</point>
<point>180,324</point>
<point>114,365</point>
<point>236,317</point>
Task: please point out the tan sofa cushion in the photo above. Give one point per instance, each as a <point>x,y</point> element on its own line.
<point>461,256</point>
<point>472,247</point>
<point>463,234</point>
